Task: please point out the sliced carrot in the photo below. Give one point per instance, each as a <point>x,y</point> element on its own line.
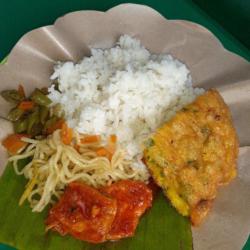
<point>90,139</point>
<point>113,139</point>
<point>13,143</point>
<point>21,90</point>
<point>26,105</point>
<point>57,125</point>
<point>66,134</point>
<point>111,147</point>
<point>103,152</point>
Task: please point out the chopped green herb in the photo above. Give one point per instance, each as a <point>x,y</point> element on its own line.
<point>205,130</point>
<point>149,143</point>
<point>193,163</point>
<point>185,109</point>
<point>195,110</point>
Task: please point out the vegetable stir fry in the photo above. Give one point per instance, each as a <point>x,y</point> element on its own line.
<point>31,116</point>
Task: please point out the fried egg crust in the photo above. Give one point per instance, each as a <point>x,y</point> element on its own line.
<point>193,154</point>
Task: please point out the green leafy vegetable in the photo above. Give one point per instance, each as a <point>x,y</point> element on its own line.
<point>44,114</point>
<point>15,114</point>
<point>33,119</point>
<point>12,96</point>
<point>20,126</point>
<point>40,98</point>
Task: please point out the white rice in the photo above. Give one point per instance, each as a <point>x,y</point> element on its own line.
<point>124,90</point>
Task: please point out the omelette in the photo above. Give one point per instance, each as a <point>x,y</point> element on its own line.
<point>193,154</point>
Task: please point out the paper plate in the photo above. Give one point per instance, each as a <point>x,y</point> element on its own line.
<point>71,37</point>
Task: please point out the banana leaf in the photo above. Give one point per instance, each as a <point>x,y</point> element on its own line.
<point>161,228</point>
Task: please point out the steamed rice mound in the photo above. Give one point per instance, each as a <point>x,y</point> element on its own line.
<point>124,90</point>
